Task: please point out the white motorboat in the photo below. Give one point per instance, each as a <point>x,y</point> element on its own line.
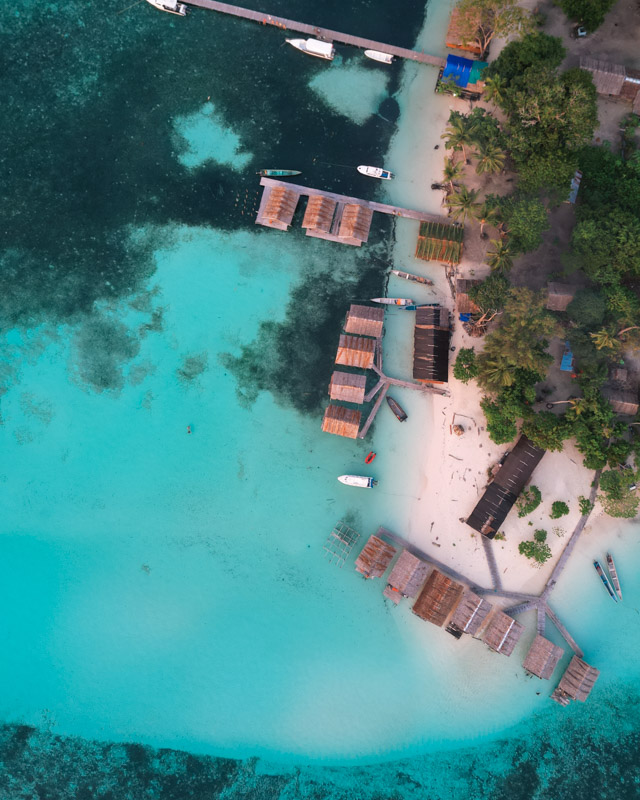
<point>360,481</point>
<point>172,6</point>
<point>376,55</point>
<point>394,301</point>
<point>376,172</point>
<point>314,47</point>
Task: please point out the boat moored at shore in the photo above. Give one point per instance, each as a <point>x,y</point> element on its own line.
<point>359,481</point>
<point>409,276</point>
<point>613,572</point>
<point>314,47</point>
<point>375,172</point>
<point>171,6</point>
<point>397,409</point>
<point>605,580</point>
<point>393,301</point>
<point>378,55</point>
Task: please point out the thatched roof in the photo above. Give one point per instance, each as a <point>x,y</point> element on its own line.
<point>454,38</point>
<point>433,316</point>
<point>559,295</point>
<point>375,557</point>
<point>407,576</point>
<point>365,321</point>
<point>469,615</point>
<point>355,351</point>
<point>280,206</point>
<point>431,345</point>
<point>319,213</point>
<point>608,78</point>
<point>619,374</point>
<point>341,421</point>
<point>355,222</point>
<point>347,386</point>
<point>439,241</point>
<point>622,402</point>
<point>438,598</point>
<point>502,633</point>
<point>464,304</point>
<point>543,657</point>
<point>576,683</point>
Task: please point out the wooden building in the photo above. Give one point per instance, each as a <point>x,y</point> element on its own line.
<point>355,223</point>
<point>438,598</point>
<point>459,25</point>
<point>502,633</point>
<point>355,351</point>
<point>559,295</point>
<point>365,321</point>
<point>438,241</point>
<point>622,402</point>
<point>576,683</point>
<point>464,304</point>
<point>318,215</point>
<point>407,576</point>
<point>470,615</point>
<point>608,78</point>
<point>341,421</point>
<point>347,387</point>
<point>543,657</point>
<point>431,345</point>
<point>280,207</point>
<point>500,495</point>
<point>375,557</point>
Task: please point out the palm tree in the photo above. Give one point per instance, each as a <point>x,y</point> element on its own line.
<point>490,158</point>
<point>458,134</point>
<point>452,172</point>
<point>496,373</point>
<point>494,90</point>
<point>500,259</point>
<point>485,214</point>
<point>605,340</point>
<point>463,203</point>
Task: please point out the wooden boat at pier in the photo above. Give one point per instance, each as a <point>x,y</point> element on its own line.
<point>378,55</point>
<point>278,173</point>
<point>397,409</point>
<point>375,172</point>
<point>359,481</point>
<point>408,276</point>
<point>314,47</point>
<point>605,580</point>
<point>171,6</point>
<point>613,572</point>
<point>393,301</point>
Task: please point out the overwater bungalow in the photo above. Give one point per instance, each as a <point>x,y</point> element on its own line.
<point>500,495</point>
<point>559,295</point>
<point>576,683</point>
<point>502,633</point>
<point>622,402</point>
<point>459,24</point>
<point>348,387</point>
<point>375,557</point>
<point>464,304</point>
<point>355,351</point>
<point>365,321</point>
<point>439,241</point>
<point>407,576</point>
<point>318,215</point>
<point>341,421</point>
<point>470,614</point>
<point>431,345</point>
<point>355,224</point>
<point>280,207</point>
<point>543,657</point>
<point>438,598</point>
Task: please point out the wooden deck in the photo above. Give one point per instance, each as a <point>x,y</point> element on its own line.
<point>318,33</point>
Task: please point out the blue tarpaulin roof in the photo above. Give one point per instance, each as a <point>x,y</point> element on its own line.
<point>463,71</point>
<point>566,365</point>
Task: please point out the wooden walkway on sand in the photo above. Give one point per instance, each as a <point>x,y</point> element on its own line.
<point>318,33</point>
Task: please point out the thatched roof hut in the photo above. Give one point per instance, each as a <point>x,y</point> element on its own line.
<point>438,598</point>
<point>608,78</point>
<point>431,345</point>
<point>502,633</point>
<point>622,402</point>
<point>365,321</point>
<point>458,23</point>
<point>355,351</point>
<point>347,386</point>
<point>355,223</point>
<point>375,557</point>
<point>318,215</point>
<point>619,375</point>
<point>438,241</point>
<point>407,576</point>
<point>280,207</point>
<point>559,295</point>
<point>464,304</point>
<point>576,683</point>
<point>543,657</point>
<point>341,421</point>
<point>469,615</point>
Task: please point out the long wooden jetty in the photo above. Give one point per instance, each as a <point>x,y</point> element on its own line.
<point>319,33</point>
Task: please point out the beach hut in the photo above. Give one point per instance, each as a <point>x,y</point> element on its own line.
<point>355,223</point>
<point>431,345</point>
<point>439,241</point>
<point>502,633</point>
<point>608,78</point>
<point>500,495</point>
<point>543,657</point>
<point>470,614</point>
<point>348,387</point>
<point>355,351</point>
<point>341,421</point>
<point>559,295</point>
<point>438,598</point>
<point>375,557</point>
<point>464,304</point>
<point>365,321</point>
<point>622,402</point>
<point>407,576</point>
<point>462,77</point>
<point>318,215</point>
<point>576,683</point>
<point>460,25</point>
<point>279,207</point>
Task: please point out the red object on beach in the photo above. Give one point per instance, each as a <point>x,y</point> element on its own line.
<point>370,457</point>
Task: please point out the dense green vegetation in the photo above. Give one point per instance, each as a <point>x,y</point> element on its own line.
<point>537,549</point>
<point>558,509</point>
<point>528,501</point>
<point>465,367</point>
<point>589,13</point>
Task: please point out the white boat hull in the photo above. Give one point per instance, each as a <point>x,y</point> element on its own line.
<point>393,301</point>
<point>376,55</point>
<point>375,172</point>
<point>170,6</point>
<point>314,47</point>
<point>359,481</point>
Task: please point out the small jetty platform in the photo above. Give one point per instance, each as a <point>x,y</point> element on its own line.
<point>318,33</point>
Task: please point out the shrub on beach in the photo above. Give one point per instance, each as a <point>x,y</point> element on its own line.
<point>465,367</point>
<point>537,549</point>
<point>528,501</point>
<point>558,509</point>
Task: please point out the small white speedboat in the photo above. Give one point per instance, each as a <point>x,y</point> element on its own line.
<point>393,301</point>
<point>314,47</point>
<point>376,55</point>
<point>360,481</point>
<point>376,172</point>
<point>172,6</point>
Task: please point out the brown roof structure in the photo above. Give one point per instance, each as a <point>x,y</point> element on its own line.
<point>439,241</point>
<point>454,38</point>
<point>347,386</point>
<point>502,633</point>
<point>431,345</point>
<point>543,657</point>
<point>464,304</point>
<point>375,557</point>
<point>559,295</point>
<point>355,351</point>
<point>622,402</point>
<point>341,421</point>
<point>608,78</point>
<point>280,207</point>
<point>438,598</point>
<point>619,374</point>
<point>576,683</point>
<point>468,617</point>
<point>355,223</point>
<point>318,215</point>
<point>407,576</point>
<point>365,321</point>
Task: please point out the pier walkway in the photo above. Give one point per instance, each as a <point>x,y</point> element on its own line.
<point>319,33</point>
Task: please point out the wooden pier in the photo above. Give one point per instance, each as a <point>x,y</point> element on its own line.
<point>318,33</point>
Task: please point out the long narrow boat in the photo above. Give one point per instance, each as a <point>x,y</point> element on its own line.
<point>414,306</point>
<point>604,580</point>
<point>360,481</point>
<point>613,572</point>
<point>393,301</point>
<point>408,276</point>
<point>172,6</point>
<point>397,409</point>
<point>278,173</point>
